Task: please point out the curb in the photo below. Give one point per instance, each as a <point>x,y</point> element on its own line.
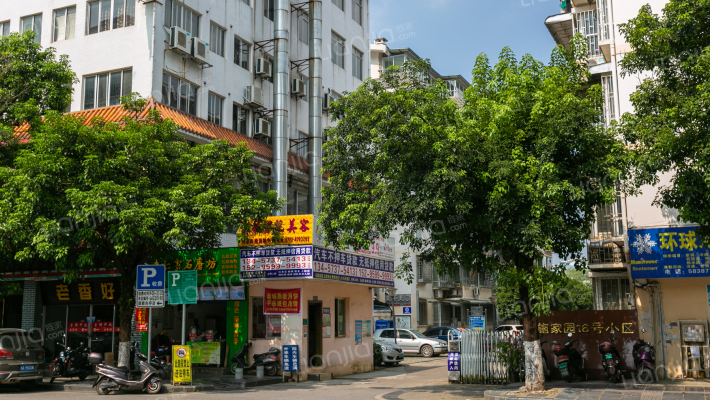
<point>166,388</point>
<point>514,395</point>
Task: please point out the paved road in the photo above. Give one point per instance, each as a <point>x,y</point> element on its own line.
<point>418,378</point>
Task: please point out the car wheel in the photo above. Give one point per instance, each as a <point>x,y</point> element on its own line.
<point>427,351</point>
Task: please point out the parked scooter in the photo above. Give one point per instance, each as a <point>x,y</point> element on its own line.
<point>121,378</point>
<point>569,361</point>
<point>159,363</point>
<point>70,363</point>
<point>269,360</point>
<point>610,360</point>
<point>645,361</point>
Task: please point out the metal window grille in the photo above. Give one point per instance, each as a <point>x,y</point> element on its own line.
<point>603,12</point>
<point>588,26</point>
<point>609,107</point>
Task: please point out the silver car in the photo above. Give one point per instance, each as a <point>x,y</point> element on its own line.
<point>391,353</point>
<point>21,358</point>
<point>412,342</point>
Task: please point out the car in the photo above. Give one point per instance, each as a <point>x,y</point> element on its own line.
<point>391,353</point>
<point>442,332</point>
<point>21,358</point>
<point>510,328</point>
<point>412,342</point>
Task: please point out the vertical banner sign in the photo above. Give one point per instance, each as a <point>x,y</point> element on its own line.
<point>141,320</point>
<point>182,287</point>
<point>290,359</point>
<point>454,362</point>
<point>182,365</point>
<point>282,301</point>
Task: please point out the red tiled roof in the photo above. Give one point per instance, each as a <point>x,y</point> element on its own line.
<point>186,122</point>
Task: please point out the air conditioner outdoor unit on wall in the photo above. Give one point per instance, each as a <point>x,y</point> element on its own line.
<point>263,68</point>
<point>438,293</point>
<point>262,128</point>
<point>199,50</point>
<point>327,99</point>
<point>180,40</point>
<point>254,96</point>
<point>298,88</point>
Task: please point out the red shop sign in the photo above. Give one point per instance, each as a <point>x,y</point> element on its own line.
<point>141,320</point>
<point>282,301</point>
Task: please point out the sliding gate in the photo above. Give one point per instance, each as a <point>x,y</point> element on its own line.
<point>479,361</point>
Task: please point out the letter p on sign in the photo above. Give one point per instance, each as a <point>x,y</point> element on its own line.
<point>150,277</point>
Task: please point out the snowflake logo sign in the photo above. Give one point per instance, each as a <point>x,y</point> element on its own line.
<point>644,244</point>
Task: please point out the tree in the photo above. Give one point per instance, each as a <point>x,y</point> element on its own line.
<point>521,166</point>
<point>90,193</point>
<point>670,125</point>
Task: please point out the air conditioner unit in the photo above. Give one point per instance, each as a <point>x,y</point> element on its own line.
<point>438,293</point>
<point>263,68</point>
<point>199,50</point>
<point>327,99</point>
<point>298,88</point>
<point>254,96</point>
<point>262,128</point>
<point>180,40</point>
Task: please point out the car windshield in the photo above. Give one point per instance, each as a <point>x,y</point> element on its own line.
<point>14,340</point>
<point>419,335</point>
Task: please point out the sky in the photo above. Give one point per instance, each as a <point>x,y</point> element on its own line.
<point>452,33</point>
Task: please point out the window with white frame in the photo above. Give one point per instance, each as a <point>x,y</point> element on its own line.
<point>303,27</point>
<point>603,12</point>
<point>614,294</point>
<point>241,53</point>
<point>340,4</point>
<point>5,28</point>
<point>304,79</point>
<point>393,60</point>
<point>239,119</point>
<point>179,94</point>
<point>588,26</point>
<point>99,13</point>
<point>609,99</point>
<point>357,63</point>
<point>64,24</point>
<point>32,23</point>
<point>337,50</point>
<point>102,90</point>
<point>178,15</point>
<point>297,203</point>
<point>269,9</point>
<point>217,39</point>
<point>214,109</point>
<point>263,326</point>
<point>357,11</point>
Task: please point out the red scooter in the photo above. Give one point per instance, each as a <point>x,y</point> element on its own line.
<point>611,360</point>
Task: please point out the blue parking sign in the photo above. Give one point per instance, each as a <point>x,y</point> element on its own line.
<point>150,277</point>
<point>289,362</point>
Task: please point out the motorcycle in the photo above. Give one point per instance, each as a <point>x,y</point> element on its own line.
<point>121,378</point>
<point>70,363</point>
<point>158,362</point>
<point>569,361</point>
<point>610,360</point>
<point>644,360</point>
<point>269,360</point>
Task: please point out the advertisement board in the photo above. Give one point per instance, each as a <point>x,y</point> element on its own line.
<point>280,262</point>
<point>282,301</point>
<point>668,253</point>
<point>182,364</point>
<point>294,229</point>
<point>205,352</point>
<point>352,268</point>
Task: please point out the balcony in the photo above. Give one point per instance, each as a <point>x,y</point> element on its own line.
<point>561,28</point>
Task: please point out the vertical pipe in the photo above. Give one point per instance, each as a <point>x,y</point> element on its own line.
<point>184,317</point>
<point>315,105</point>
<point>150,332</point>
<point>281,100</point>
<point>113,329</point>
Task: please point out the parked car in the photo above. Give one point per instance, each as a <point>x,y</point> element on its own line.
<point>412,342</point>
<point>391,353</point>
<point>442,333</point>
<point>21,358</point>
<point>510,328</point>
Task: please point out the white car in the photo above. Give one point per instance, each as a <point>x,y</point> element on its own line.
<point>412,342</point>
<point>510,328</point>
<point>391,353</point>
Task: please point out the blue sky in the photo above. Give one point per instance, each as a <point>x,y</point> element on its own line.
<point>452,33</point>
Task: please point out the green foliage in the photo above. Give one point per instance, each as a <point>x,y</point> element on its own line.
<point>670,123</point>
<point>32,80</point>
<point>511,353</point>
<point>521,165</point>
<point>376,354</point>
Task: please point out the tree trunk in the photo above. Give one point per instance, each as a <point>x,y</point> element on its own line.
<point>534,372</point>
<point>125,312</point>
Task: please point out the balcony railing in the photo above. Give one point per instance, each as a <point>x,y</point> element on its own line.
<point>605,253</point>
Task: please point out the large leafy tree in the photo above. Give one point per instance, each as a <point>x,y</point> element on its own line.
<point>670,126</point>
<point>520,166</point>
<point>90,193</point>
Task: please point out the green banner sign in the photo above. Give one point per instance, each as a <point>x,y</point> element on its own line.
<point>219,266</point>
<point>182,287</point>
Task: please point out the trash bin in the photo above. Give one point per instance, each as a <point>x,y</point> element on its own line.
<point>239,373</point>
<point>260,371</point>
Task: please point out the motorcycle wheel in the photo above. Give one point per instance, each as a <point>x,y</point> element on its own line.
<point>614,378</point>
<point>83,374</point>
<point>154,386</point>
<point>271,369</point>
<point>645,375</point>
<point>99,390</point>
<point>233,368</point>
<point>568,378</point>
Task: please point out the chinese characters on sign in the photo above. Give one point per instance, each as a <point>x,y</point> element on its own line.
<point>90,291</point>
<point>182,365</point>
<point>668,253</point>
<point>282,262</point>
<point>290,359</point>
<point>282,301</point>
<point>454,362</point>
<point>294,229</point>
<point>594,327</point>
<point>150,298</point>
<point>141,320</point>
<point>352,268</point>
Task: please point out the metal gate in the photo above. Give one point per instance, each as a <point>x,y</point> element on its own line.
<point>479,359</point>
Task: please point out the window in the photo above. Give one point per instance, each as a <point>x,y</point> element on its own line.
<point>33,23</point>
<point>178,15</point>
<point>587,25</point>
<point>246,2</point>
<point>239,119</point>
<point>216,39</point>
<point>99,15</point>
<point>357,63</point>
<point>5,28</point>
<point>214,109</point>
<point>304,79</point>
<point>303,27</point>
<point>615,294</point>
<point>357,11</point>
<point>106,89</point>
<point>404,335</point>
<point>609,108</point>
<point>337,45</point>
<point>422,313</point>
<point>393,60</point>
<point>603,12</point>
<point>340,318</point>
<point>179,94</point>
<point>387,334</point>
<point>340,4</point>
<point>297,202</point>
<point>269,9</point>
<point>263,326</point>
<point>64,23</point>
<point>241,53</point>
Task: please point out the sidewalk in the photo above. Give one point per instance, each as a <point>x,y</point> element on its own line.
<point>686,389</point>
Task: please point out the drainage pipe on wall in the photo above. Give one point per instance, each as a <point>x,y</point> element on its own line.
<point>315,105</point>
<point>281,100</point>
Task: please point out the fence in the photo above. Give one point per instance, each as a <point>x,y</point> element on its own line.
<point>479,358</point>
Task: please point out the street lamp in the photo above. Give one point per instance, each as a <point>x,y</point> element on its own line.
<point>391,292</point>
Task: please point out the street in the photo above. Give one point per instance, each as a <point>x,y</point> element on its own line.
<point>417,378</point>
